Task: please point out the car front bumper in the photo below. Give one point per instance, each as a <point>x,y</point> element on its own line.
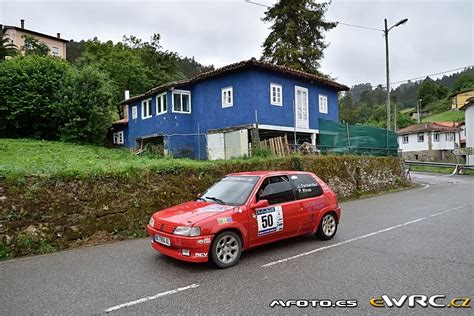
<point>198,246</point>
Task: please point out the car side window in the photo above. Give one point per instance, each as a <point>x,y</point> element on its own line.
<point>276,190</point>
<point>307,186</point>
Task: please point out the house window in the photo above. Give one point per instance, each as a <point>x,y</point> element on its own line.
<point>227,97</point>
<point>449,137</point>
<point>161,104</point>
<point>134,112</point>
<point>323,104</point>
<point>436,136</point>
<point>421,137</point>
<point>146,109</point>
<point>55,50</point>
<point>276,94</point>
<point>405,139</point>
<point>181,101</point>
<point>118,138</point>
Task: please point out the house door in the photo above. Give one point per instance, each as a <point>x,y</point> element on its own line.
<point>301,107</point>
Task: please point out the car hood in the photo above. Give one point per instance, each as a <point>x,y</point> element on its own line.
<point>190,212</point>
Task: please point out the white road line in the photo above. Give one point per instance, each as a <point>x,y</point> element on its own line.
<point>149,298</point>
<point>360,237</point>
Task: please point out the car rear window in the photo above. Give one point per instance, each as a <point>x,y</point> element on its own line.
<point>307,186</point>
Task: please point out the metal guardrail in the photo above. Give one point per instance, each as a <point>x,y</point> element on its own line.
<point>438,164</point>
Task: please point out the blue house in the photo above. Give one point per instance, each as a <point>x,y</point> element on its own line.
<point>220,113</point>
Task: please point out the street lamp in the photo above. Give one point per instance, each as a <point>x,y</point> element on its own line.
<point>386,30</point>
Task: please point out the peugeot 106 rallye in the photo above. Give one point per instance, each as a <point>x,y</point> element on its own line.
<point>242,211</point>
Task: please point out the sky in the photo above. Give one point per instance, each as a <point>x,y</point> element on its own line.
<point>437,37</point>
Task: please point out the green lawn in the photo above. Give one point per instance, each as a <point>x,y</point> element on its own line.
<point>20,157</point>
<point>448,116</point>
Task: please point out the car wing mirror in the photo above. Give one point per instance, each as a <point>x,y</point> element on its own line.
<point>260,204</point>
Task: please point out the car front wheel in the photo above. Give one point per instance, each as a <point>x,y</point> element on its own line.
<point>327,227</point>
<point>226,249</point>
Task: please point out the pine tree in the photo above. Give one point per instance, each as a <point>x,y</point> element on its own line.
<point>296,39</point>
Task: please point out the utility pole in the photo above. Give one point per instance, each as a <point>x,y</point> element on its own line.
<point>387,72</point>
<point>418,106</point>
<point>387,69</point>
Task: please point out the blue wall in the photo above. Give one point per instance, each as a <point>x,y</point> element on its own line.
<point>251,91</point>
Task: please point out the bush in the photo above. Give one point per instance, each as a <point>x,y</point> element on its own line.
<point>87,107</point>
<point>30,93</point>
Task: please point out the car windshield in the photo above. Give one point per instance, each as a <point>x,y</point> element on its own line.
<point>233,190</point>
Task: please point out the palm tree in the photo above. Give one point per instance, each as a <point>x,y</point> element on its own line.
<point>6,48</point>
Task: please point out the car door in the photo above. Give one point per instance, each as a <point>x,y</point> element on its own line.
<point>280,218</point>
<point>312,200</point>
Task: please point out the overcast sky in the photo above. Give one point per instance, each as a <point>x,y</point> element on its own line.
<point>437,37</point>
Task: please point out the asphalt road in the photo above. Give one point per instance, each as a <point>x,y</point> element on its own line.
<point>418,241</point>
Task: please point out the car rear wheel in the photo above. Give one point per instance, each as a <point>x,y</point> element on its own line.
<point>226,249</point>
<point>327,227</point>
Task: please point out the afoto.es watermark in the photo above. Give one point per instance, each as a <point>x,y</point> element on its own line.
<point>313,303</point>
<point>418,300</point>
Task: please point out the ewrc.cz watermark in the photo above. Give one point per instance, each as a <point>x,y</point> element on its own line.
<point>418,300</point>
<point>313,303</point>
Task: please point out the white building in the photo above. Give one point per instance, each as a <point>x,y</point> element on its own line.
<point>428,142</point>
<point>469,121</point>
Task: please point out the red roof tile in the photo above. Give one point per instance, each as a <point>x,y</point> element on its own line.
<point>427,127</point>
<point>243,64</point>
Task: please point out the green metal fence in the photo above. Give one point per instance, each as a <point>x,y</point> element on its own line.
<point>356,139</point>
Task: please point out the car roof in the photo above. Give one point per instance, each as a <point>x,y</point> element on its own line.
<point>266,173</point>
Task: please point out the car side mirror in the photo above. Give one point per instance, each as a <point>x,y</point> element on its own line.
<point>260,204</point>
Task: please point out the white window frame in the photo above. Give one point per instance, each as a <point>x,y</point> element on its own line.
<point>278,88</point>
<point>144,117</point>
<point>164,102</point>
<point>422,136</point>
<point>181,93</point>
<point>323,104</point>
<point>436,136</point>
<point>450,137</point>
<point>405,139</point>
<point>224,97</point>
<point>53,48</point>
<point>134,112</point>
<point>118,138</point>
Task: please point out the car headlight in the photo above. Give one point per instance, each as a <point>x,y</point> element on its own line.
<point>152,222</point>
<point>187,231</point>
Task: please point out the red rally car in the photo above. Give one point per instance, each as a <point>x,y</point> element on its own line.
<point>242,211</point>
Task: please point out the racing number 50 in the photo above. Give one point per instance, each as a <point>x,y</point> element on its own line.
<point>267,221</point>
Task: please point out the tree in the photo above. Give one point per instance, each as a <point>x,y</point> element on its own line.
<point>86,110</point>
<point>30,93</point>
<point>429,91</point>
<point>7,49</point>
<point>33,46</point>
<point>465,81</point>
<point>296,39</point>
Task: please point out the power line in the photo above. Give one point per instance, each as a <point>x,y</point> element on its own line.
<point>338,22</point>
<point>415,78</point>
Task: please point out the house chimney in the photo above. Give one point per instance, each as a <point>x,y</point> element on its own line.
<point>22,23</point>
<point>58,35</point>
<point>127,94</point>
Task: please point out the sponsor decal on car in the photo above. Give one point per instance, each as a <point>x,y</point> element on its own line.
<point>204,241</point>
<point>224,220</point>
<point>269,220</point>
<point>212,208</point>
<point>201,254</point>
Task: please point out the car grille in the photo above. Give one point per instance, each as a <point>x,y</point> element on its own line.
<point>166,228</point>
